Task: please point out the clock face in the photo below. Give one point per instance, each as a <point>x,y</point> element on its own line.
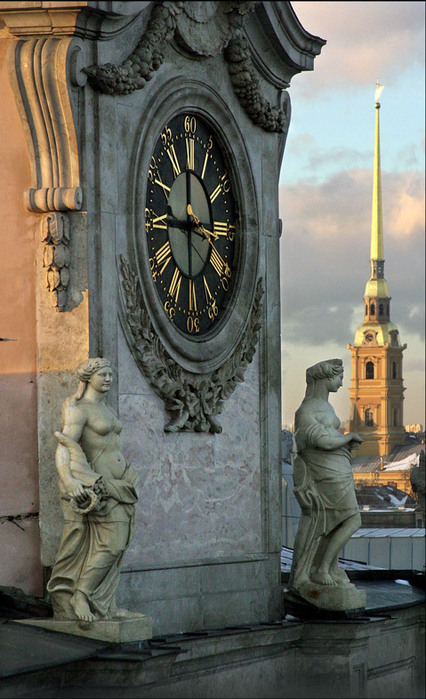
<point>191,226</point>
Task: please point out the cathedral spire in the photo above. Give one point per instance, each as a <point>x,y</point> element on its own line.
<point>377,390</point>
<point>376,213</point>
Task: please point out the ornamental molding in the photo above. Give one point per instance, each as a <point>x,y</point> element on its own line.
<point>202,29</point>
<point>38,75</point>
<point>192,401</point>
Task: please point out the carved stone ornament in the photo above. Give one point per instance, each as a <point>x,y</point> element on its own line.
<point>56,256</point>
<point>38,75</point>
<point>192,401</point>
<point>203,29</point>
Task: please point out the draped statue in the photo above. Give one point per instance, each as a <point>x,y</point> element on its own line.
<point>98,492</point>
<point>324,488</point>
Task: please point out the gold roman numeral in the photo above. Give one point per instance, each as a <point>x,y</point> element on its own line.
<point>163,186</point>
<point>160,260</point>
<point>207,291</point>
<point>174,287</point>
<point>192,295</point>
<point>215,192</point>
<point>224,186</point>
<point>190,153</point>
<point>154,221</point>
<point>217,262</point>
<point>206,157</point>
<point>174,160</point>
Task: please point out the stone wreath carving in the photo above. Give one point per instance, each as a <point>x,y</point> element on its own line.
<point>205,29</point>
<point>193,402</point>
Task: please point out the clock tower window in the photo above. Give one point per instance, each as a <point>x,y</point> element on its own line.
<point>368,417</point>
<point>369,370</point>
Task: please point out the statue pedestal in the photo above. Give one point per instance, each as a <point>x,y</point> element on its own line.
<point>138,628</point>
<point>312,601</point>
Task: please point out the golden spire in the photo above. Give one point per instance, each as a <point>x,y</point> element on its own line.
<point>376,213</point>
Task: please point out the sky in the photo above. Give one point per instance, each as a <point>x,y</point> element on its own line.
<point>326,192</point>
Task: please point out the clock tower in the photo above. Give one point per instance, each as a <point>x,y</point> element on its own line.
<point>376,389</point>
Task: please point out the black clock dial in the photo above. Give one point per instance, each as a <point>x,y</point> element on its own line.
<point>191,227</point>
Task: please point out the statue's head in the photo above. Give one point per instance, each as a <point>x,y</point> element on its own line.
<point>324,370</point>
<point>86,369</point>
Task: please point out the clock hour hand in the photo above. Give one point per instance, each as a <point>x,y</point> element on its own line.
<point>199,226</point>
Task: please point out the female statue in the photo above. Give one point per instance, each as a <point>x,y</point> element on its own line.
<point>324,485</point>
<point>98,495</point>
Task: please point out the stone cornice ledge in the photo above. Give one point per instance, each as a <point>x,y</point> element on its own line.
<point>81,18</point>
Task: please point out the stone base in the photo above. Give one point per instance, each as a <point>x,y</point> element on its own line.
<point>333,597</point>
<point>312,601</point>
<point>112,630</point>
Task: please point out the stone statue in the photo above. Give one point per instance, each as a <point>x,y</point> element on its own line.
<point>324,488</point>
<point>98,495</point>
<point>418,483</point>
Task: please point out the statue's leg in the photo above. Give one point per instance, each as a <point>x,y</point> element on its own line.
<point>303,552</point>
<point>336,540</point>
<point>97,583</point>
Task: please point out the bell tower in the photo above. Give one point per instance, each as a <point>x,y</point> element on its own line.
<point>376,390</point>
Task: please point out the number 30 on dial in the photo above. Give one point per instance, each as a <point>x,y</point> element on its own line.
<point>190,223</point>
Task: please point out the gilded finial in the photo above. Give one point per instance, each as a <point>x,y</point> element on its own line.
<point>378,92</point>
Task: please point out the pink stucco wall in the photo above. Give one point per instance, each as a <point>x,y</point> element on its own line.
<point>19,533</point>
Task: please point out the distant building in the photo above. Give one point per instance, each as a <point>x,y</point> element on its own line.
<point>376,389</point>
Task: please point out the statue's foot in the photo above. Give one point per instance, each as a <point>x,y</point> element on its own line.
<point>323,578</point>
<point>121,613</point>
<point>80,605</point>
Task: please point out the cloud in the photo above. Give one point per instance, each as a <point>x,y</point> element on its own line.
<point>361,35</point>
<point>325,251</point>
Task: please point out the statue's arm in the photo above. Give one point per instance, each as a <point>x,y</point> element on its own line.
<point>316,432</point>
<point>73,427</point>
<point>335,439</point>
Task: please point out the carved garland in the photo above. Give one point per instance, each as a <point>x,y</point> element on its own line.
<point>247,89</point>
<point>192,401</point>
<point>148,56</point>
<point>55,234</point>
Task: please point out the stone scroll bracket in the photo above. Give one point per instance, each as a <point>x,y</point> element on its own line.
<point>38,72</point>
